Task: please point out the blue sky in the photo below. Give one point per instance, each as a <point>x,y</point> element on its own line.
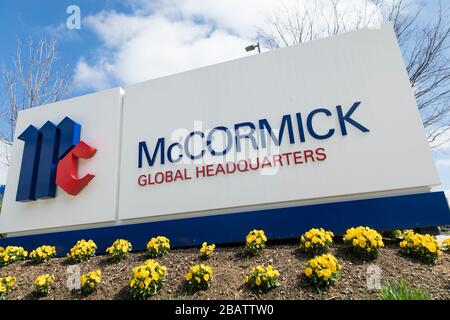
<point>111,50</point>
<point>41,18</point>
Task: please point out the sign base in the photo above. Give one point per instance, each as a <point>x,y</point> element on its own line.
<point>387,213</point>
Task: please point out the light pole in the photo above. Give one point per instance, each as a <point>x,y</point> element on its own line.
<point>253,47</point>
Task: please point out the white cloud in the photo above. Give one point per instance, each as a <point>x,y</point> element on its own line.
<point>164,37</point>
<point>5,155</point>
<point>235,16</point>
<point>443,162</point>
<point>162,47</point>
<point>441,155</point>
<point>442,142</point>
<point>59,32</point>
<point>94,77</point>
<point>240,17</point>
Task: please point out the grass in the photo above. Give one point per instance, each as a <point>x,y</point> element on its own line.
<point>402,290</point>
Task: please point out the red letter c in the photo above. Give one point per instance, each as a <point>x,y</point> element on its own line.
<point>67,170</point>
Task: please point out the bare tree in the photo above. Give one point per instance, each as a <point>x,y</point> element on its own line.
<point>35,77</point>
<point>425,46</point>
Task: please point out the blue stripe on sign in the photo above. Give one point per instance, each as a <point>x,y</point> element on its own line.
<point>399,212</point>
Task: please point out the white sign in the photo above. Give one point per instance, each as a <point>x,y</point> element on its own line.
<point>330,119</point>
<point>385,150</point>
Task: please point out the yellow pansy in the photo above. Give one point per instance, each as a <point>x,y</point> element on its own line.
<point>199,276</point>
<point>158,246</point>
<point>255,241</point>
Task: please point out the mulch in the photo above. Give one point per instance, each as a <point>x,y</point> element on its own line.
<point>230,266</point>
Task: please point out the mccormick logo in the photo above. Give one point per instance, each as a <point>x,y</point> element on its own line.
<point>50,158</point>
